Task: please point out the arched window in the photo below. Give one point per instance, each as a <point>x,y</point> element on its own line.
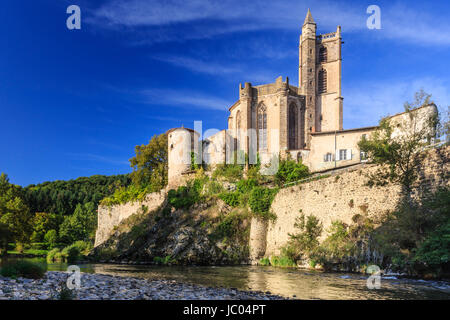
<point>293,127</point>
<point>238,130</point>
<point>323,54</point>
<point>302,124</point>
<point>322,83</point>
<point>262,127</point>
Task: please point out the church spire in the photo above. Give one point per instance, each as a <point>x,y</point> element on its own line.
<point>309,18</point>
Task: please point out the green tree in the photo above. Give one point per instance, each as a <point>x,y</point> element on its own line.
<point>51,238</point>
<point>80,225</point>
<point>43,222</point>
<point>14,213</point>
<point>150,163</point>
<point>400,156</point>
<point>5,237</point>
<point>306,241</point>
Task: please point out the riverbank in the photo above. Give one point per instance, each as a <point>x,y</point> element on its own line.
<point>108,287</point>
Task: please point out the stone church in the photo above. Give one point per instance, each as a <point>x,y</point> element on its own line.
<point>305,122</point>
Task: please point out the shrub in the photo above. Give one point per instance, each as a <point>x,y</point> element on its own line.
<point>290,171</point>
<point>231,172</point>
<point>165,261</point>
<point>185,196</point>
<point>51,238</point>
<point>282,261</point>
<point>260,200</point>
<point>84,247</point>
<point>264,262</point>
<point>306,241</point>
<point>71,253</point>
<point>434,252</point>
<point>230,198</point>
<point>54,255</point>
<point>131,193</point>
<point>23,269</point>
<point>245,186</point>
<point>229,225</point>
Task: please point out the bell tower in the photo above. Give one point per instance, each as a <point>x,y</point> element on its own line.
<point>307,75</point>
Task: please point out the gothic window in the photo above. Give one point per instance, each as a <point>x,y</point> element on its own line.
<point>323,54</point>
<point>262,127</point>
<point>302,127</point>
<point>238,129</point>
<point>293,127</point>
<point>322,87</point>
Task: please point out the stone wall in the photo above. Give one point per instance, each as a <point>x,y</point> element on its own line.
<point>339,197</point>
<point>111,216</point>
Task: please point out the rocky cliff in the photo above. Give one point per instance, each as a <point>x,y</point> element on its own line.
<point>207,233</point>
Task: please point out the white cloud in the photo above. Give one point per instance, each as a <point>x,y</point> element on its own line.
<point>233,72</point>
<point>162,19</point>
<point>198,65</point>
<point>183,99</point>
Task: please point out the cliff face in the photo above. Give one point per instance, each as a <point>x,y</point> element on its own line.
<point>110,216</point>
<point>178,237</point>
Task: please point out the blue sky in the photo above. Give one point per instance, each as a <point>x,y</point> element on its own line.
<point>76,102</point>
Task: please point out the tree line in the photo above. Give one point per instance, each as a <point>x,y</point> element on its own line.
<point>53,212</point>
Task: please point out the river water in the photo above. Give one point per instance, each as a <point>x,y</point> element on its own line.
<point>291,283</point>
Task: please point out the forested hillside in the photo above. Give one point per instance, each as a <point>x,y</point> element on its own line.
<point>61,197</point>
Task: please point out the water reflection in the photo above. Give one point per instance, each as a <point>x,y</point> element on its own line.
<point>287,282</point>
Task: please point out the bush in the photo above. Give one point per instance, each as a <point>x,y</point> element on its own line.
<point>260,201</point>
<point>245,186</point>
<point>128,194</point>
<point>230,198</point>
<point>306,241</point>
<point>229,226</point>
<point>164,261</point>
<point>434,252</point>
<point>185,196</point>
<point>282,261</point>
<point>71,253</point>
<point>54,255</point>
<point>290,171</point>
<point>84,247</point>
<point>264,262</point>
<point>231,172</point>
<point>23,269</point>
<point>51,238</point>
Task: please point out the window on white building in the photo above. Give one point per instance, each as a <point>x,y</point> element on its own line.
<point>344,154</point>
<point>328,157</point>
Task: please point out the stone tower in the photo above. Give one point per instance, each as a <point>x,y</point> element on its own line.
<point>320,78</point>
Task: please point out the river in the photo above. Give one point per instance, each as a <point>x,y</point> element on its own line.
<point>291,283</point>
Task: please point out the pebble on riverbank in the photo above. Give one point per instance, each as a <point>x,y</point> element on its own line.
<point>107,287</point>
